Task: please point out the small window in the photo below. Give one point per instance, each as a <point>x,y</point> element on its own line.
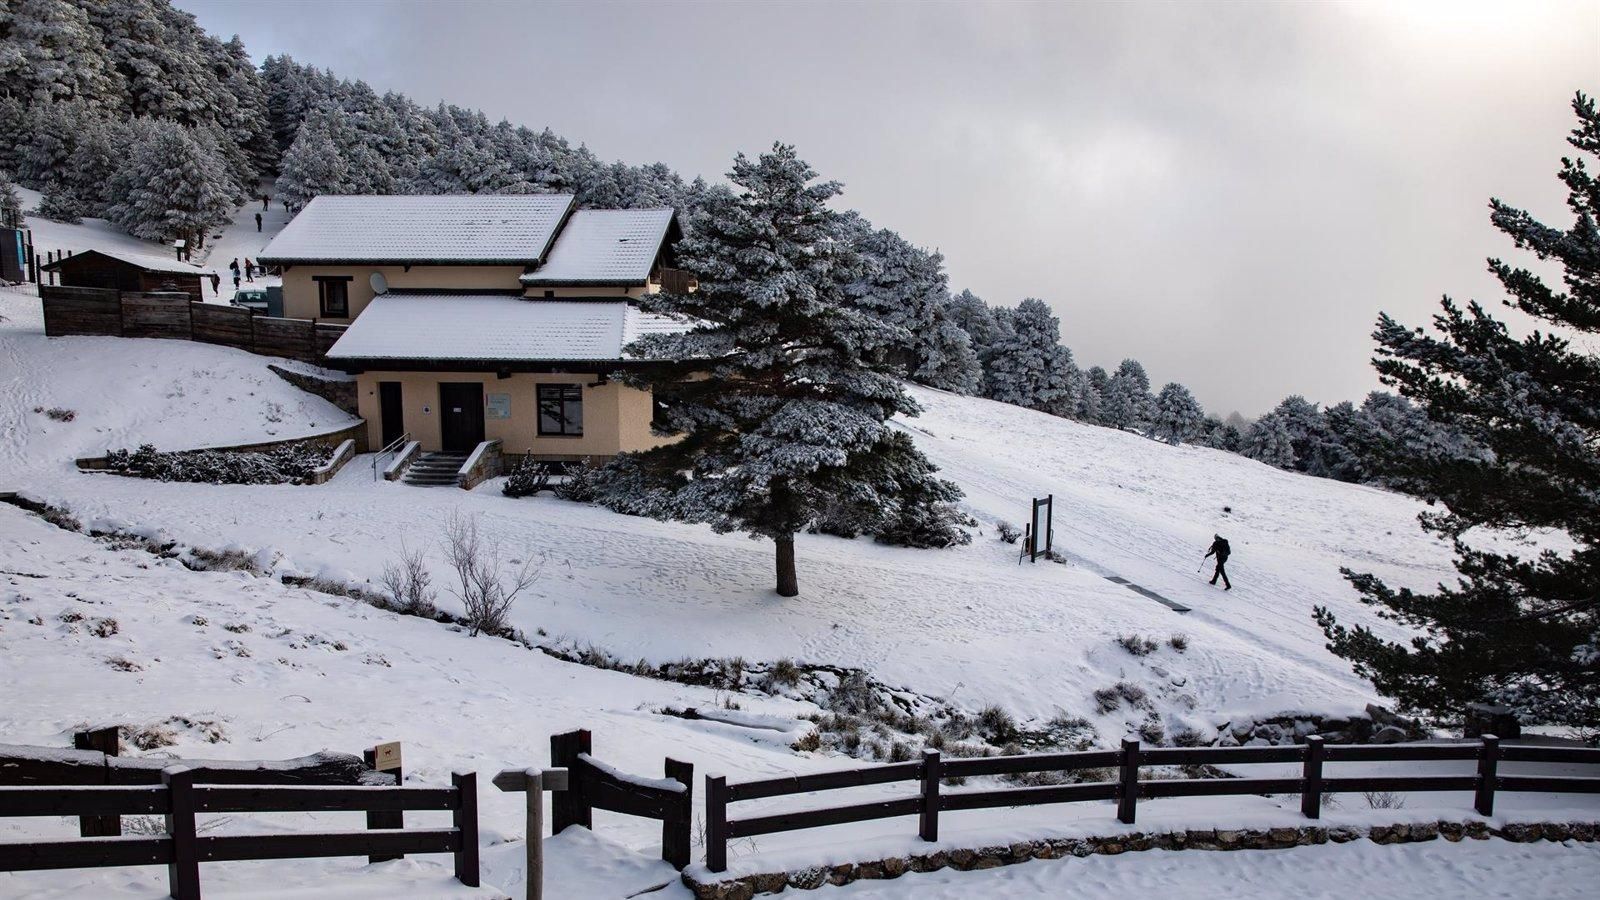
<point>334,294</point>
<point>561,410</point>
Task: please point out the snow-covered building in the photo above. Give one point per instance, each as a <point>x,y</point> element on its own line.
<point>482,317</point>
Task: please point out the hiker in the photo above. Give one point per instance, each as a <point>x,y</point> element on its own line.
<point>236,281</point>
<point>249,270</point>
<point>216,284</point>
<point>234,266</point>
<point>264,201</point>
<point>1220,549</point>
<point>286,204</point>
<point>258,223</point>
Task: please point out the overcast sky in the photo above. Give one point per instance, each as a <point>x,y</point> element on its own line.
<point>1229,193</point>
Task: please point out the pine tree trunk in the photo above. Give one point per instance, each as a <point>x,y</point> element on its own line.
<point>788,582</point>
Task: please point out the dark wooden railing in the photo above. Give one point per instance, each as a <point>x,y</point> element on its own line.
<point>182,848</point>
<point>592,785</point>
<point>1126,787</point>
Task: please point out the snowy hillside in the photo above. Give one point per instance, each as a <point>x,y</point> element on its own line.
<point>233,665</point>
<point>967,624</point>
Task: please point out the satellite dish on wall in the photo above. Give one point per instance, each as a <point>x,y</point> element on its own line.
<point>380,284</point>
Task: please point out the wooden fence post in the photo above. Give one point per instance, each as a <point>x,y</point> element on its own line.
<point>1311,783</point>
<point>675,826</point>
<point>1488,768</point>
<point>1128,792</point>
<point>717,823</point>
<point>928,819</point>
<point>535,798</point>
<point>465,816</point>
<point>570,807</point>
<point>384,818</point>
<point>183,873</point>
<point>104,740</point>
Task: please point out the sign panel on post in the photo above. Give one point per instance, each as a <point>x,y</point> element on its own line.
<point>386,757</point>
<point>1042,528</point>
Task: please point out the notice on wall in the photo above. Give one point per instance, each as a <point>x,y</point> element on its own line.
<point>497,406</point>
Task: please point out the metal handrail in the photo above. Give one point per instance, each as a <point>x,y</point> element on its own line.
<point>391,447</point>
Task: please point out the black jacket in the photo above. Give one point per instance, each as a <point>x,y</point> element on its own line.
<point>1220,548</point>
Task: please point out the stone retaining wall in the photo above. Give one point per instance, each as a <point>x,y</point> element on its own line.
<point>748,886</point>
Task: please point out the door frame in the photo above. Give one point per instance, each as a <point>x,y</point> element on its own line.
<point>387,430</point>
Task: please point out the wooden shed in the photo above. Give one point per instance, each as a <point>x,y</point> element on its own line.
<point>124,271</point>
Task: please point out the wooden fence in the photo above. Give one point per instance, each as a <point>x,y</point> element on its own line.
<point>101,311</point>
<point>593,785</point>
<point>1127,788</point>
<point>182,849</point>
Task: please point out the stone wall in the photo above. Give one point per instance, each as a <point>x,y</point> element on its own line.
<point>341,393</point>
<point>991,857</point>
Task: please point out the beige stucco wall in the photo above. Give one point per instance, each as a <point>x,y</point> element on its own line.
<point>300,299</point>
<point>615,417</point>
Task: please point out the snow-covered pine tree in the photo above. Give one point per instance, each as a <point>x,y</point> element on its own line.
<point>907,288</point>
<point>53,130</point>
<point>58,204</point>
<point>102,145</point>
<point>9,198</point>
<point>779,406</point>
<point>1092,396</point>
<point>172,185</point>
<point>1220,435</point>
<point>1521,629</point>
<point>1269,440</point>
<point>50,53</point>
<point>313,166</point>
<point>1178,416</point>
<point>1127,403</point>
<point>1027,365</point>
<point>1315,450</point>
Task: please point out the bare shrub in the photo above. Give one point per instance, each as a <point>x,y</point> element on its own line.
<point>57,413</point>
<point>409,584</point>
<point>812,741</point>
<point>203,559</point>
<point>103,628</point>
<point>1151,731</point>
<point>1008,532</point>
<point>1179,641</point>
<point>997,724</point>
<point>784,673</point>
<point>1384,799</point>
<point>489,581</point>
<point>1137,644</point>
<point>1107,699</point>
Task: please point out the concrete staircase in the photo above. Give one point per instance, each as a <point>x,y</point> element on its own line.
<point>435,470</point>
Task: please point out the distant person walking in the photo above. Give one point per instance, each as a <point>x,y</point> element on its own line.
<point>236,281</point>
<point>286,204</point>
<point>264,201</point>
<point>249,270</point>
<point>1221,550</point>
<point>258,223</point>
<point>216,284</point>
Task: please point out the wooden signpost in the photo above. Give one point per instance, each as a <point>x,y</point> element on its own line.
<point>535,782</point>
<point>1037,541</point>
<point>385,758</point>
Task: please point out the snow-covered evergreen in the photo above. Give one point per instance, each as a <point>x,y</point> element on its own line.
<point>1270,440</point>
<point>791,421</point>
<point>172,186</point>
<point>1026,364</point>
<point>1178,416</point>
<point>1126,402</point>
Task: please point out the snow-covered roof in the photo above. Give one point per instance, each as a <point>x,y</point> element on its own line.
<point>142,260</point>
<point>605,246</point>
<point>495,327</point>
<point>488,229</point>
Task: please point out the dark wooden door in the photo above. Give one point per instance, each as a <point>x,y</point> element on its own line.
<point>460,416</point>
<point>390,411</point>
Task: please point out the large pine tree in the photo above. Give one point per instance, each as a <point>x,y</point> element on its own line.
<point>779,397</point>
<point>1519,629</point>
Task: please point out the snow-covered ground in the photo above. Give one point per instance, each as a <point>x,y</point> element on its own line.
<point>275,671</point>
<point>1358,869</point>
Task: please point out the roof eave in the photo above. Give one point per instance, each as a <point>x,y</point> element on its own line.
<point>297,261</point>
